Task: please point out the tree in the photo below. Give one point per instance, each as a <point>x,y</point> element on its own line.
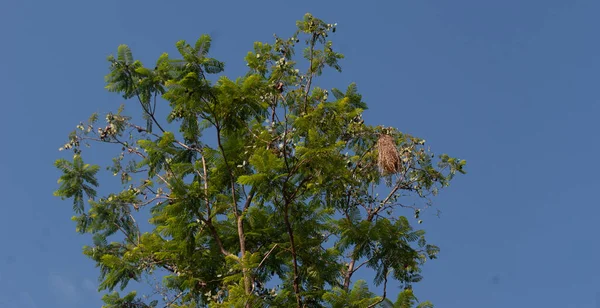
<point>261,191</point>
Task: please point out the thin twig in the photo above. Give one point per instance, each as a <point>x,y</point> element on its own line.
<point>266,256</point>
<point>173,300</point>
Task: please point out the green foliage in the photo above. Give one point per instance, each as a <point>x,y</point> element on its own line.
<point>113,300</point>
<point>77,179</point>
<point>358,297</point>
<point>268,192</point>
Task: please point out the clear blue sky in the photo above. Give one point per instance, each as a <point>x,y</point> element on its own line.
<point>511,86</point>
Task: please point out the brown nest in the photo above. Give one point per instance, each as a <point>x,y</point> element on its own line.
<point>389,158</point>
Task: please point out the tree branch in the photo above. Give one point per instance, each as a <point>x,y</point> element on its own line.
<point>385,280</point>
<point>310,71</point>
<point>173,300</point>
<point>296,280</point>
<point>266,256</point>
<point>217,238</point>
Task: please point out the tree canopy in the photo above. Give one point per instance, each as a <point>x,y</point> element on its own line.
<point>263,191</point>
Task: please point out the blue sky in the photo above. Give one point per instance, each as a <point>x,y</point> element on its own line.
<point>511,86</point>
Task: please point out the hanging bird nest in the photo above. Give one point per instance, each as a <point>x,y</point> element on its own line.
<point>389,158</point>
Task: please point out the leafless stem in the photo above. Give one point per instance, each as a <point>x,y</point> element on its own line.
<point>173,300</point>
<point>217,238</point>
<point>383,203</point>
<point>239,218</point>
<point>266,256</point>
<point>296,280</point>
<point>146,110</point>
<point>205,178</point>
<point>361,265</point>
<point>137,227</point>
<point>385,280</point>
<point>310,70</point>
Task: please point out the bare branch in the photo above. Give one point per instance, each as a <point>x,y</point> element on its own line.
<point>385,280</point>
<point>173,300</point>
<point>266,256</point>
